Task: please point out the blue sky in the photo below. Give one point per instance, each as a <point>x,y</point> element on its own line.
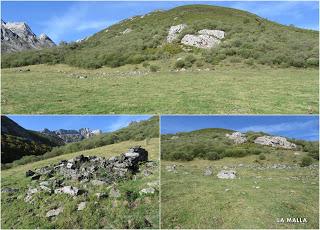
<point>105,123</point>
<point>69,21</point>
<point>299,127</point>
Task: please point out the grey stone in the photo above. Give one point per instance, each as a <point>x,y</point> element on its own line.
<point>227,174</point>
<point>82,206</point>
<point>30,193</point>
<point>72,191</point>
<point>147,191</point>
<point>171,168</point>
<point>114,193</point>
<point>208,171</point>
<point>174,32</point>
<point>54,212</point>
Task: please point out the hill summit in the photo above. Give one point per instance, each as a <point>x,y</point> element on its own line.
<point>210,34</point>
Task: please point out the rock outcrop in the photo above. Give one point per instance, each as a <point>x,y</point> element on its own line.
<point>205,39</point>
<point>17,36</point>
<point>59,178</point>
<point>275,141</point>
<point>174,32</point>
<point>237,137</point>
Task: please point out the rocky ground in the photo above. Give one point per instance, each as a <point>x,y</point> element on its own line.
<point>116,192</point>
<point>240,193</point>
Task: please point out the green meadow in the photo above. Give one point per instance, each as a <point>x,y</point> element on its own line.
<point>133,89</point>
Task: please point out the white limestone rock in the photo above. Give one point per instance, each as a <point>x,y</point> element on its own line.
<point>174,32</point>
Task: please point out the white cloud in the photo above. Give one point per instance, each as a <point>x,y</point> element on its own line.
<point>75,18</point>
<point>282,127</point>
<point>93,25</point>
<point>124,121</point>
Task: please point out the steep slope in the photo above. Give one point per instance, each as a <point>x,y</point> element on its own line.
<point>246,37</point>
<point>18,36</point>
<point>215,144</point>
<point>17,142</point>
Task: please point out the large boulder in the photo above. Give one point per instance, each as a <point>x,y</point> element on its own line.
<point>237,137</point>
<point>174,32</point>
<point>275,141</point>
<point>137,153</point>
<point>204,39</point>
<point>200,41</point>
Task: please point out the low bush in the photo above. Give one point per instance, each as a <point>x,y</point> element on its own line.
<point>262,157</point>
<point>306,161</point>
<point>154,68</point>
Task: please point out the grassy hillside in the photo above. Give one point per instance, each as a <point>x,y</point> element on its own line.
<point>17,142</point>
<point>131,89</point>
<point>249,38</point>
<point>212,144</point>
<point>99,213</point>
<point>143,130</point>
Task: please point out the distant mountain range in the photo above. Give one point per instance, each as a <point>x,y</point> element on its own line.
<point>17,141</point>
<point>72,135</point>
<point>18,36</point>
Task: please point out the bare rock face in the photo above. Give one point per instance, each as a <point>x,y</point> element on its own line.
<point>237,137</point>
<point>200,41</point>
<point>215,33</point>
<point>174,32</point>
<point>45,41</point>
<point>227,174</point>
<point>205,39</point>
<point>275,141</point>
<point>18,36</point>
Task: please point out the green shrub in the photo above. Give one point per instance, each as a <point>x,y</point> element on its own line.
<point>306,161</point>
<point>145,64</point>
<point>235,59</point>
<point>179,64</point>
<point>213,156</point>
<point>262,157</point>
<point>154,68</point>
<point>314,62</point>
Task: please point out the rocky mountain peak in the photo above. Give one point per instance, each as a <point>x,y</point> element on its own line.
<point>18,36</point>
<point>72,135</point>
